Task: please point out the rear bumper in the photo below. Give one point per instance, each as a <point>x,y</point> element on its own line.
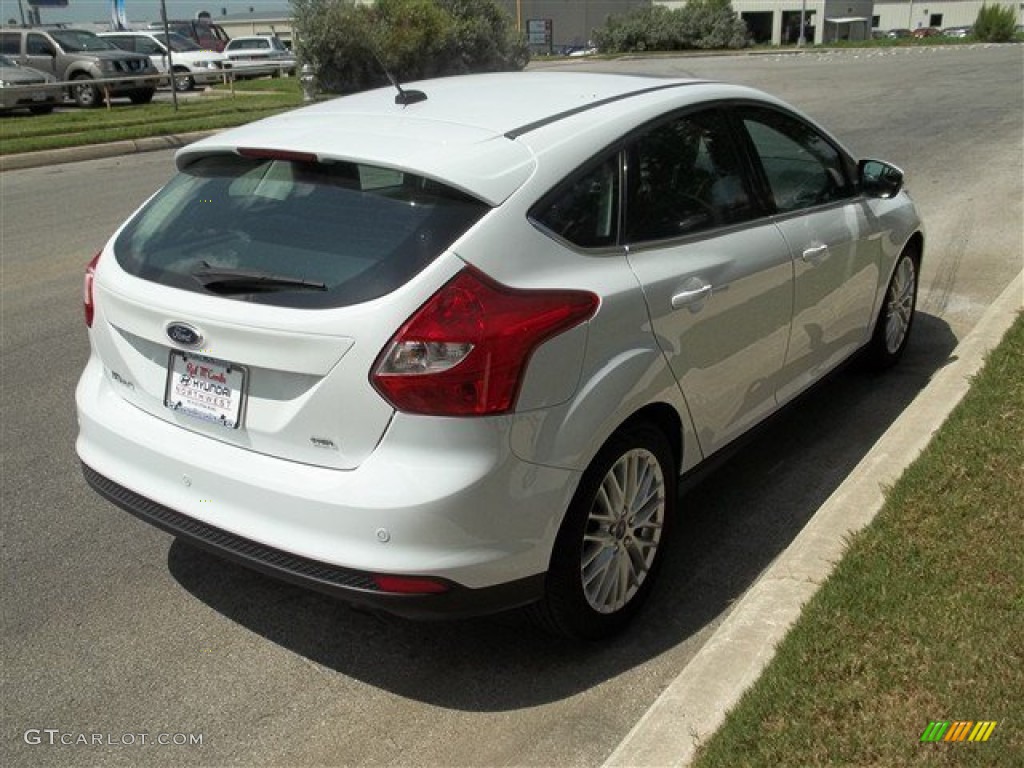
<point>444,499</point>
<point>23,97</point>
<point>355,587</point>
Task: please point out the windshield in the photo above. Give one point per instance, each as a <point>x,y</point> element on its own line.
<point>75,40</point>
<point>354,232</point>
<point>179,44</point>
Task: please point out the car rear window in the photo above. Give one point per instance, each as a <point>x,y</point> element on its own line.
<point>293,233</point>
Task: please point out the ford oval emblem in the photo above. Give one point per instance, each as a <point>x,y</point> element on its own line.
<point>184,334</point>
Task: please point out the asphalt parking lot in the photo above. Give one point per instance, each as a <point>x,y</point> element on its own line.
<point>113,628</point>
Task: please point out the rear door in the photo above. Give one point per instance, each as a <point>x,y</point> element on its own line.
<point>827,229</point>
<point>716,273</point>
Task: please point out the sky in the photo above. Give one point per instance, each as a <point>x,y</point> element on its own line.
<point>137,10</point>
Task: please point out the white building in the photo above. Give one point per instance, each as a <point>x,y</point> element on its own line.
<point>914,14</point>
<point>778,21</point>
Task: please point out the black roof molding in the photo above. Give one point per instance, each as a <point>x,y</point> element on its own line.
<point>523,129</point>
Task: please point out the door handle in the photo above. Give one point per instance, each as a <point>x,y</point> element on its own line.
<point>695,292</point>
<point>815,254</point>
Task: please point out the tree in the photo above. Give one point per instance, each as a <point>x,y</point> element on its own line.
<point>349,46</point>
<point>698,24</point>
<point>995,23</point>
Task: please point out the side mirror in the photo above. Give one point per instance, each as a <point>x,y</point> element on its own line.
<point>879,179</point>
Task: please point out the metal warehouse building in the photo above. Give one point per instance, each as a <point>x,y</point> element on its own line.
<point>778,21</point>
<point>560,23</point>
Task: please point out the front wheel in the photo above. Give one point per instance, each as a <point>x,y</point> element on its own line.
<point>611,542</point>
<point>892,331</point>
<point>182,80</point>
<point>84,92</point>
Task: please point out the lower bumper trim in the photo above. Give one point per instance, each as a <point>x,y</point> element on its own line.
<point>349,585</point>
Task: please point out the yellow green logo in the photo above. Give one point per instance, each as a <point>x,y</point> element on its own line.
<point>958,730</point>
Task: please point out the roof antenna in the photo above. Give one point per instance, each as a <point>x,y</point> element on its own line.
<point>404,97</point>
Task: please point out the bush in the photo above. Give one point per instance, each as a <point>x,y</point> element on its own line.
<point>698,24</point>
<point>644,29</point>
<point>713,24</point>
<point>349,45</point>
<point>995,23</point>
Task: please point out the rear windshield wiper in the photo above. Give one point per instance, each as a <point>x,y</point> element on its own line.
<point>226,280</point>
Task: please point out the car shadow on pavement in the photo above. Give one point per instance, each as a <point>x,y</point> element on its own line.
<point>734,524</point>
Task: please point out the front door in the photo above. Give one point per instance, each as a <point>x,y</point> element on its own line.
<point>826,227</point>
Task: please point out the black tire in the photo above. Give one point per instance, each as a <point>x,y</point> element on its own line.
<point>182,80</point>
<point>606,556</point>
<point>42,109</point>
<point>896,316</point>
<point>85,94</point>
<point>142,97</point>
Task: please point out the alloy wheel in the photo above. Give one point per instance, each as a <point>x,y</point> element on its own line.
<point>623,531</point>
<point>900,302</point>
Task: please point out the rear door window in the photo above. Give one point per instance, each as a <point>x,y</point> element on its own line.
<point>293,233</point>
<point>10,43</point>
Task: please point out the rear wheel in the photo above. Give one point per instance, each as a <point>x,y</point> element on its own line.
<point>142,97</point>
<point>896,317</point>
<point>610,544</point>
<point>84,92</point>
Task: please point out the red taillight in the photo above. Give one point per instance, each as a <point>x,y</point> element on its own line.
<point>463,353</point>
<point>87,291</point>
<point>405,585</point>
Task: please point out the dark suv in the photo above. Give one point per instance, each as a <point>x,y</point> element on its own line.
<point>82,58</point>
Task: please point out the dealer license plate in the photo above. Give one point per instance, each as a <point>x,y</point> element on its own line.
<point>204,388</point>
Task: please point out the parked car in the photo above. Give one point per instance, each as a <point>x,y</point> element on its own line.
<point>82,57</point>
<point>27,88</point>
<point>898,33</point>
<point>958,31</point>
<point>926,32</point>
<point>200,31</point>
<point>192,64</point>
<point>260,54</point>
<point>447,351</point>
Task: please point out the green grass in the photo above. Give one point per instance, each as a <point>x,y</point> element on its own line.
<point>24,133</point>
<point>922,620</point>
<point>288,85</point>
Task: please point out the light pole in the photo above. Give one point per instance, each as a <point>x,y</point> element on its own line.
<point>802,40</point>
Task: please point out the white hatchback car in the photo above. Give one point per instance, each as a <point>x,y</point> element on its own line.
<point>448,352</point>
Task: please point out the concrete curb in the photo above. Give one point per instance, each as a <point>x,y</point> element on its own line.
<point>98,151</point>
<point>694,705</point>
